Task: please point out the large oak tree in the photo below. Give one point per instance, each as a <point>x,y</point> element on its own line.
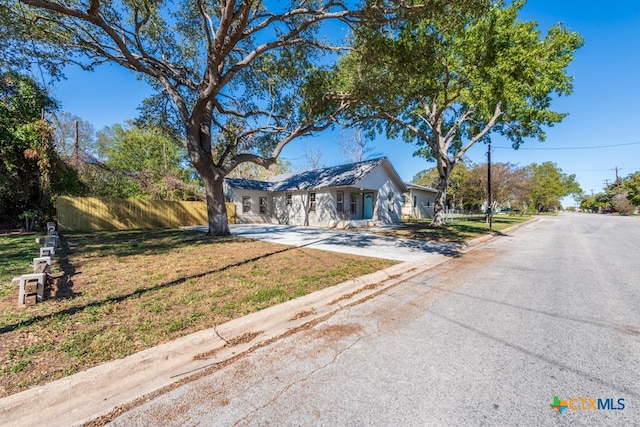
<point>447,82</point>
<point>241,74</point>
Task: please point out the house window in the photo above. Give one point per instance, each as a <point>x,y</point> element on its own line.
<point>340,201</point>
<point>312,202</point>
<point>390,201</point>
<point>415,201</point>
<point>288,200</point>
<point>263,205</point>
<point>403,200</point>
<point>246,204</point>
<point>353,203</point>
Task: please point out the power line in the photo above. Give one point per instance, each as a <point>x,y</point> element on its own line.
<point>595,170</point>
<point>570,148</point>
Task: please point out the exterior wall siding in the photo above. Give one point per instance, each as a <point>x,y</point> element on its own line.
<point>293,207</point>
<point>253,216</point>
<point>375,179</point>
<point>298,211</point>
<point>387,197</point>
<point>389,204</point>
<point>419,203</point>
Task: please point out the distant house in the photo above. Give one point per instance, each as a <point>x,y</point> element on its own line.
<point>417,202</point>
<point>351,195</point>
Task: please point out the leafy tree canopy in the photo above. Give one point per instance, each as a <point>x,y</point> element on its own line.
<point>140,163</point>
<point>31,172</point>
<point>449,81</point>
<point>549,185</point>
<point>242,76</point>
<point>632,185</point>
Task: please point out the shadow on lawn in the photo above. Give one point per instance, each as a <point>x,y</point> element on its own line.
<point>120,298</point>
<point>422,231</point>
<point>137,242</point>
<point>452,233</point>
<point>119,244</point>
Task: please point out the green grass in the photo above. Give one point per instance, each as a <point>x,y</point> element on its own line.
<point>457,231</point>
<point>121,292</point>
<point>16,258</point>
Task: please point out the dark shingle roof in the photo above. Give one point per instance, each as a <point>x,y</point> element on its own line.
<point>335,176</point>
<point>248,184</point>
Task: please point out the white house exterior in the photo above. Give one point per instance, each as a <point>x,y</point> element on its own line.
<point>417,202</point>
<point>356,194</point>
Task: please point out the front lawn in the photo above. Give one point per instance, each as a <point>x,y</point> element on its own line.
<point>458,231</point>
<point>117,293</point>
<point>16,256</point>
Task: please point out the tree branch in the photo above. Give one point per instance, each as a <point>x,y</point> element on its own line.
<point>490,124</point>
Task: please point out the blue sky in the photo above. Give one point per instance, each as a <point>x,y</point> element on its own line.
<point>603,109</point>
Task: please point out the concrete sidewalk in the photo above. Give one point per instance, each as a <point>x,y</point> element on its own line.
<point>115,385</point>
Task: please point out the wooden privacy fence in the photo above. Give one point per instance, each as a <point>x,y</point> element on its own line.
<point>93,213</point>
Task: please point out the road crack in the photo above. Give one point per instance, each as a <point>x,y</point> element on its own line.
<point>300,381</point>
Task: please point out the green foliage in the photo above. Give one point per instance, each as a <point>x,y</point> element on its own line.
<point>31,172</point>
<point>511,185</point>
<point>138,163</point>
<point>590,203</point>
<point>632,186</point>
<point>549,185</point>
<point>457,180</point>
<point>446,81</point>
<point>16,253</point>
<point>24,42</point>
<point>252,171</point>
<point>228,77</point>
<point>463,64</point>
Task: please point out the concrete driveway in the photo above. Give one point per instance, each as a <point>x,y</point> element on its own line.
<point>354,242</point>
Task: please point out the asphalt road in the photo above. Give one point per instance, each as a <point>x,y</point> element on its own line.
<point>489,338</point>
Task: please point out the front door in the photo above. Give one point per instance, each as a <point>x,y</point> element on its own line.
<point>367,211</point>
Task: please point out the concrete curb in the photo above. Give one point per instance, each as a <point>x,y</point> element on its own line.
<point>98,391</point>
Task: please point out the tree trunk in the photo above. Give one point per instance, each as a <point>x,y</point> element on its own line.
<point>441,200</point>
<point>199,147</point>
<point>216,208</point>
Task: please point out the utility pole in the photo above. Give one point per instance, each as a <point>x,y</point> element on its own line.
<point>489,216</point>
<point>75,157</point>
<point>617,181</point>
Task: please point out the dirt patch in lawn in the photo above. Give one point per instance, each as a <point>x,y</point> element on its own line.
<point>118,293</point>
